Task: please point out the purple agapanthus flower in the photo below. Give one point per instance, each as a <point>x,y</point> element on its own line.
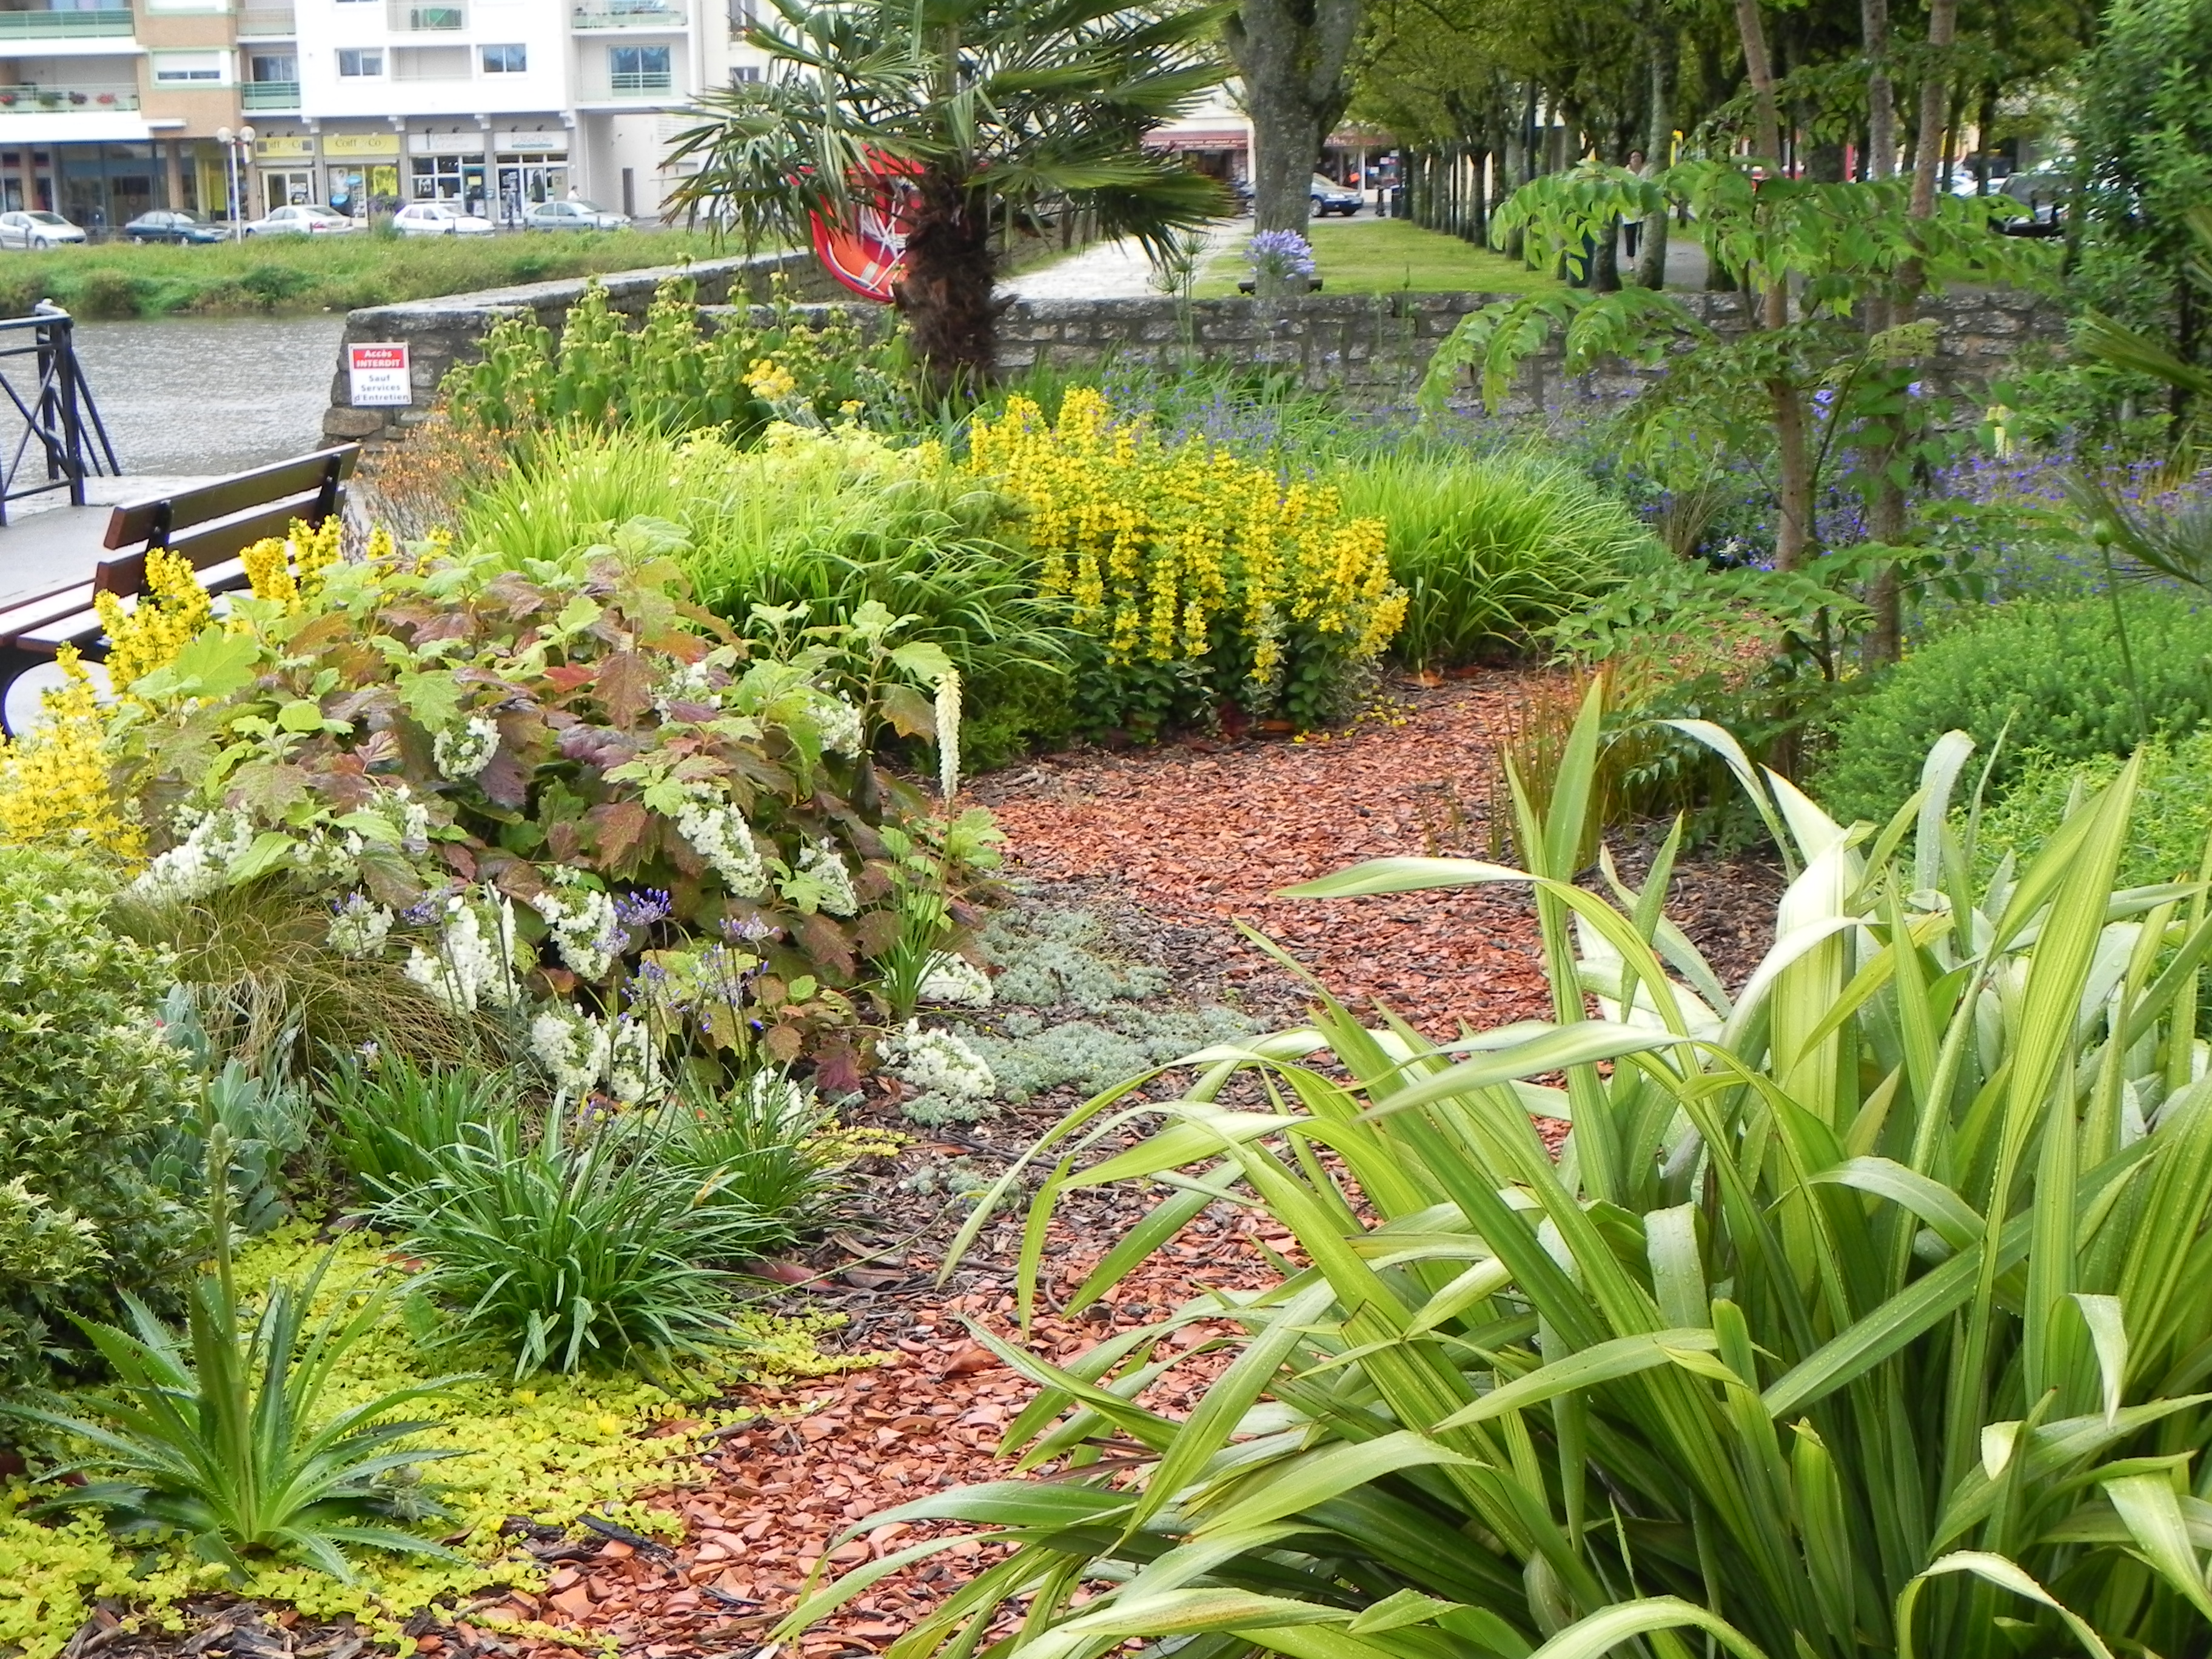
<point>1280,254</point>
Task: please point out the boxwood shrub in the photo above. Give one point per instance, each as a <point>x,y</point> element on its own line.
<point>2049,677</point>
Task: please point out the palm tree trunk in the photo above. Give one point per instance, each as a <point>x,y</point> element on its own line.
<point>947,293</point>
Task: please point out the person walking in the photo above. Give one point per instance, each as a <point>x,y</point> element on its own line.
<point>1634,228</point>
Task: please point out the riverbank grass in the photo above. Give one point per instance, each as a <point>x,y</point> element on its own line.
<point>336,273</point>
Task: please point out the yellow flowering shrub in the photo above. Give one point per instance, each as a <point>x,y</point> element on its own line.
<point>1203,577</point>
<point>289,571</point>
<point>55,789</point>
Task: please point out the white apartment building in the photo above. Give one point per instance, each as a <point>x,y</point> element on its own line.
<point>496,104</point>
<point>110,108</point>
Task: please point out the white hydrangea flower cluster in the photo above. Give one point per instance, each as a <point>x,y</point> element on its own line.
<point>688,683</point>
<point>718,833</point>
<point>826,880</point>
<point>471,966</point>
<point>359,926</point>
<point>579,1052</point>
<point>200,862</point>
<point>586,930</point>
<point>954,1081</point>
<point>633,1068</point>
<point>572,1049</point>
<point>841,726</point>
<point>953,982</point>
<point>462,751</point>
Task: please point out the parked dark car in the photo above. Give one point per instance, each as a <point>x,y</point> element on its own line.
<point>165,225</point>
<point>2044,195</point>
<point>1329,197</point>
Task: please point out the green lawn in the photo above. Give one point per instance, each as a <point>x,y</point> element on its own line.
<point>1367,255</point>
<point>336,273</point>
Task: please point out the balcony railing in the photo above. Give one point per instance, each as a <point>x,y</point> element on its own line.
<point>49,100</point>
<point>271,22</point>
<point>639,83</point>
<point>410,19</point>
<point>63,25</point>
<point>619,16</point>
<point>270,94</point>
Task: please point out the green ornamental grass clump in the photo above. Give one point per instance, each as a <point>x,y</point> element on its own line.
<point>1492,550</point>
<point>2049,678</point>
<point>89,1093</point>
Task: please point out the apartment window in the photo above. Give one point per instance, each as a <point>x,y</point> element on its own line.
<point>265,66</point>
<point>430,64</point>
<point>505,60</point>
<point>746,74</point>
<point>743,16</point>
<point>185,69</point>
<point>355,64</point>
<point>639,68</point>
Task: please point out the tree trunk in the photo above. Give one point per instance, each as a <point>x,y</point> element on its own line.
<point>1934,86</point>
<point>1294,57</point>
<point>1886,512</point>
<point>1793,532</point>
<point>1659,143</point>
<point>1881,97</point>
<point>946,292</point>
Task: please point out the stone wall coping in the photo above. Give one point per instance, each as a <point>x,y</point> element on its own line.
<point>561,291</point>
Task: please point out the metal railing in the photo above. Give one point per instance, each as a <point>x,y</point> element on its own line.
<point>419,18</point>
<point>47,100</point>
<point>63,441</point>
<point>271,22</point>
<point>617,16</point>
<point>270,94</point>
<point>64,25</point>
<point>634,83</point>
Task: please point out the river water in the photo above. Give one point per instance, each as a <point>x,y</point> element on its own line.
<point>196,396</point>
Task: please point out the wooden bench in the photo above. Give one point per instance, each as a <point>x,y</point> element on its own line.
<point>210,526</point>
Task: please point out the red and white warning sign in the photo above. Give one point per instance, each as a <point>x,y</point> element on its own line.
<point>377,375</point>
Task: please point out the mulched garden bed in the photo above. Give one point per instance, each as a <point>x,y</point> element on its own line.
<point>1170,848</point>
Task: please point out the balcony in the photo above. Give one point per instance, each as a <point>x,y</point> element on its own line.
<point>619,15</point>
<point>63,25</point>
<point>640,83</point>
<point>52,101</point>
<point>267,22</point>
<point>412,19</point>
<point>270,94</point>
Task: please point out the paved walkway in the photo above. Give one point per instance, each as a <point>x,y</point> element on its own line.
<point>1111,270</point>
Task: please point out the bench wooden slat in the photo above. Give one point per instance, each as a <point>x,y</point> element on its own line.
<point>208,546</point>
<point>36,613</point>
<point>82,626</point>
<point>302,475</point>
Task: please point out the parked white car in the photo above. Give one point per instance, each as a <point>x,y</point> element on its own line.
<point>572,215</point>
<point>34,228</point>
<point>436,219</point>
<point>299,219</point>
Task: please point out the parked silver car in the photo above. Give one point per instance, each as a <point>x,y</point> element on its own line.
<point>300,219</point>
<point>32,227</point>
<point>572,215</point>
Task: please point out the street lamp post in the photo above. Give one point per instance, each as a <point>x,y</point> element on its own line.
<point>236,145</point>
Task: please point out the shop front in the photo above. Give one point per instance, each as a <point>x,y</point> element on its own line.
<point>533,168</point>
<point>104,185</point>
<point>361,172</point>
<point>284,165</point>
<point>447,167</point>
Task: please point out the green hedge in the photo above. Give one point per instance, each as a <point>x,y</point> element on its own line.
<point>2166,836</point>
<point>2048,676</point>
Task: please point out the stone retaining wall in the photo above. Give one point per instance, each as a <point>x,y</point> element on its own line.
<point>1374,347</point>
<point>443,332</point>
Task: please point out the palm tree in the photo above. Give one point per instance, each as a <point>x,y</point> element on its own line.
<point>988,110</point>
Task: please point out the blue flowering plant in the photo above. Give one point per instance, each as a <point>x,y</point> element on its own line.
<point>1278,257</point>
